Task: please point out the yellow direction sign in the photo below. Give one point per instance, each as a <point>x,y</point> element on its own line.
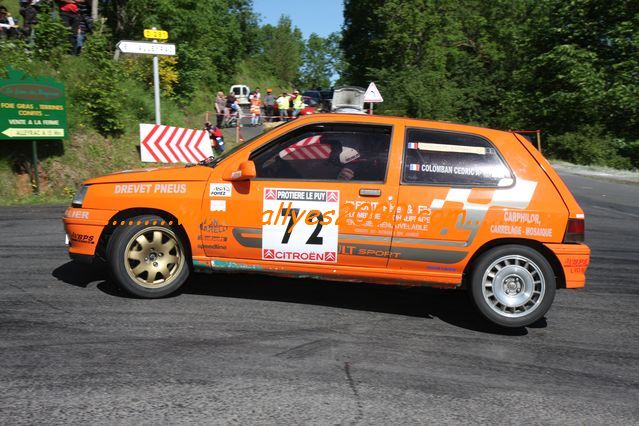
<point>21,132</point>
<point>156,34</point>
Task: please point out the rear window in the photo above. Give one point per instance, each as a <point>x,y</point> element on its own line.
<point>457,159</point>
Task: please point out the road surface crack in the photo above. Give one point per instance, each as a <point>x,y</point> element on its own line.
<point>358,400</point>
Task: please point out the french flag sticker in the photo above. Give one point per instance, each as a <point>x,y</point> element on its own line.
<point>412,145</point>
<point>414,167</point>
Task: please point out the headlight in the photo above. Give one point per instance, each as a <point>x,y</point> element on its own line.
<point>78,199</point>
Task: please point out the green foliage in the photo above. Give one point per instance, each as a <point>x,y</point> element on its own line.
<point>14,53</point>
<point>281,50</point>
<point>321,59</point>
<point>51,40</point>
<point>101,94</point>
<point>563,66</point>
<point>588,145</point>
<point>212,36</point>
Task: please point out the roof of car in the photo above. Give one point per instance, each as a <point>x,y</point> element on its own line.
<point>441,125</point>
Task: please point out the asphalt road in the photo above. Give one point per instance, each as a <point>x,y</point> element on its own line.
<point>257,350</point>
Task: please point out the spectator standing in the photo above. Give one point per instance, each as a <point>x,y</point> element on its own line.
<point>298,103</point>
<point>269,102</point>
<point>29,16</point>
<point>228,107</point>
<point>220,103</point>
<point>8,27</point>
<point>70,16</point>
<point>256,110</point>
<point>283,104</point>
<point>85,25</point>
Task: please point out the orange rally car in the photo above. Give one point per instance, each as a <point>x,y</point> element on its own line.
<point>348,197</point>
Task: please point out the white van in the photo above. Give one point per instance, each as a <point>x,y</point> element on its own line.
<point>241,93</point>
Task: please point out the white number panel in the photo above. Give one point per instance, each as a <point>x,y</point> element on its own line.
<point>300,225</point>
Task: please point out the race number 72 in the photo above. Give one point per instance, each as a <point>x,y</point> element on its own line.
<point>294,219</point>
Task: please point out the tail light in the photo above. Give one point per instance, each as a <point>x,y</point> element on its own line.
<point>575,231</point>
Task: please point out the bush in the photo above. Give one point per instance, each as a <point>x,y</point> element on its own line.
<point>630,150</point>
<point>589,146</point>
<point>101,93</point>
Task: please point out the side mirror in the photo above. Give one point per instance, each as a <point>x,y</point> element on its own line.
<point>245,172</point>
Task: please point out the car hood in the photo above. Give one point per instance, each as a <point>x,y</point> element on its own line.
<point>158,174</point>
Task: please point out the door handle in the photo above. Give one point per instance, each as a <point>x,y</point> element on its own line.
<point>370,192</point>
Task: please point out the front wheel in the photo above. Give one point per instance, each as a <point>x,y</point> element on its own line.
<point>512,285</point>
<point>147,257</point>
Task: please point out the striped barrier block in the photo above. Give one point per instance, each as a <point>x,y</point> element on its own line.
<point>167,144</point>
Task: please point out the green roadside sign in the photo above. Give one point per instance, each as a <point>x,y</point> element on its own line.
<point>32,108</point>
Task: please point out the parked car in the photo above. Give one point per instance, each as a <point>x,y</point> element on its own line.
<point>311,106</point>
<point>313,94</point>
<point>327,99</point>
<point>347,197</point>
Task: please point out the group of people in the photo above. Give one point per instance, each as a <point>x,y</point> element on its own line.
<point>74,14</point>
<point>8,25</point>
<point>270,108</point>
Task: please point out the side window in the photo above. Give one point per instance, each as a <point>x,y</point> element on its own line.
<point>334,152</point>
<point>457,159</point>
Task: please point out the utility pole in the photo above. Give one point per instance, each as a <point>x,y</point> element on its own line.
<point>94,10</point>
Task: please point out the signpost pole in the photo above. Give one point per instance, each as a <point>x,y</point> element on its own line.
<point>538,140</point>
<point>36,175</point>
<point>156,85</point>
<point>156,88</point>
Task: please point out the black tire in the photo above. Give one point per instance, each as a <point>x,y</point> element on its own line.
<point>512,285</point>
<point>161,249</point>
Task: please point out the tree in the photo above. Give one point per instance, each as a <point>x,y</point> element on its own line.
<point>280,50</point>
<point>321,60</point>
<point>567,67</point>
<point>212,36</point>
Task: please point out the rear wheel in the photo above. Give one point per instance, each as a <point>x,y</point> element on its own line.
<point>512,285</point>
<point>147,258</point>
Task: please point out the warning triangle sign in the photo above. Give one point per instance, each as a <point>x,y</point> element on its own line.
<point>372,94</point>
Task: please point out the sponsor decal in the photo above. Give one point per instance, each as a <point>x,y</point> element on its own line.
<point>150,188</point>
<point>218,205</point>
<point>299,225</point>
<point>576,265</point>
<point>212,246</point>
<point>82,238</point>
<point>216,238</point>
<point>220,190</point>
<point>296,256</point>
<point>214,227</point>
<point>76,214</point>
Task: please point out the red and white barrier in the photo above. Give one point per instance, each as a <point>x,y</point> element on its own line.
<point>167,144</point>
<point>307,149</point>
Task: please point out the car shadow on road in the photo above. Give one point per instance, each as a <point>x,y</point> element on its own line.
<point>450,306</point>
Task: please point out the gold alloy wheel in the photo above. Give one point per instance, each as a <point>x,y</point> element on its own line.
<point>154,257</point>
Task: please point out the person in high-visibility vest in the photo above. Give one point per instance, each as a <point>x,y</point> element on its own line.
<point>256,110</point>
<point>283,104</point>
<point>298,103</point>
